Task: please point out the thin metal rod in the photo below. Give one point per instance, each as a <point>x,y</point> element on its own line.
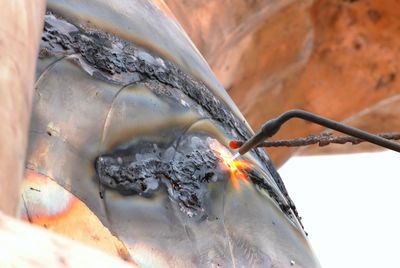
<point>322,140</point>
<point>272,126</point>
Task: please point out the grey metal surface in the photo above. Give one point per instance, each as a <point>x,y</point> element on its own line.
<point>79,114</point>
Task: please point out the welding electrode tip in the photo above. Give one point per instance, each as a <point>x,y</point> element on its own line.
<point>235,156</point>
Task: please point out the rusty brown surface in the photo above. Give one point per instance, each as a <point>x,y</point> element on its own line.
<point>20,28</point>
<point>339,59</point>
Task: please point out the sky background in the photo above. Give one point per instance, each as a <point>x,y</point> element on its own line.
<point>350,207</point>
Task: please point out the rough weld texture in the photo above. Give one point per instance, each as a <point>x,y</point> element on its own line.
<point>110,58</point>
<point>142,168</point>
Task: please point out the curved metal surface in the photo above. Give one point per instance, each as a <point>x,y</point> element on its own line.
<point>96,116</point>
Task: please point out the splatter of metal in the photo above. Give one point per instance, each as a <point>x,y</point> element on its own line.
<point>110,58</point>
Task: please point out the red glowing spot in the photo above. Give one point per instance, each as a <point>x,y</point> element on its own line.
<point>234,145</point>
<point>235,167</point>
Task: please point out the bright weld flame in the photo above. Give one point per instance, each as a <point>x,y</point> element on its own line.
<point>236,167</point>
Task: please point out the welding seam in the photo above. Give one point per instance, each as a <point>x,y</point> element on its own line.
<point>59,136</point>
<point>111,106</point>
<point>275,188</point>
<point>46,70</point>
<point>178,141</point>
<point>102,191</point>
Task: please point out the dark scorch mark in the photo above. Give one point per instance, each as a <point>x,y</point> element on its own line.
<point>141,169</point>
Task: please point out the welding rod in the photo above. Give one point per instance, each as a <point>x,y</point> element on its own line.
<point>272,126</point>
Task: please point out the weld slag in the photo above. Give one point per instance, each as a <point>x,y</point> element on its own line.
<point>185,171</point>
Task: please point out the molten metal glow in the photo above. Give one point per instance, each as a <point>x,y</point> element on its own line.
<point>236,167</point>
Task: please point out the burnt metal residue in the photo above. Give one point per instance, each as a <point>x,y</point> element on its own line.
<point>141,169</point>
<point>110,58</point>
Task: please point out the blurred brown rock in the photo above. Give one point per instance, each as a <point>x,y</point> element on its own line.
<point>339,59</point>
<point>21,26</point>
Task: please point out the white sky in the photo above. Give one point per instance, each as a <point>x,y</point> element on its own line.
<point>350,207</point>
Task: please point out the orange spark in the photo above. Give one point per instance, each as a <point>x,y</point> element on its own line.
<point>235,167</point>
